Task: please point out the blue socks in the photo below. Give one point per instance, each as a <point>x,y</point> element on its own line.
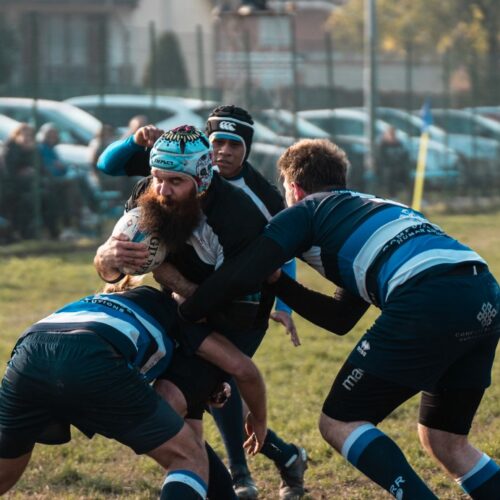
<point>379,458</point>
<point>183,485</point>
<point>482,482</point>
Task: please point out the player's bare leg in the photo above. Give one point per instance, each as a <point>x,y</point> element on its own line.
<point>11,469</point>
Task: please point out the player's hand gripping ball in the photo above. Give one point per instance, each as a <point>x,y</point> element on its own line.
<point>129,225</point>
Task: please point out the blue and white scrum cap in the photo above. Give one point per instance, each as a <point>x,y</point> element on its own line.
<point>233,123</point>
<point>187,151</point>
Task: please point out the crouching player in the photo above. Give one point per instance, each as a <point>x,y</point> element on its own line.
<point>90,365</point>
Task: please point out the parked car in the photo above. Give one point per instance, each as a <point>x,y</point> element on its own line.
<point>164,111</point>
<point>75,155</point>
<point>491,112</point>
<point>475,137</point>
<point>468,146</point>
<point>282,121</point>
<point>459,121</point>
<point>117,109</point>
<point>75,125</point>
<point>347,122</point>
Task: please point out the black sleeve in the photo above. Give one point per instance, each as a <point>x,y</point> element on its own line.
<point>338,314</point>
<point>242,274</point>
<point>138,164</point>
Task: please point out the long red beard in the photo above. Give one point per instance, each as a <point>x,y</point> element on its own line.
<point>174,222</point>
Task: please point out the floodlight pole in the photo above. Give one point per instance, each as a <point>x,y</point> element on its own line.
<point>370,86</point>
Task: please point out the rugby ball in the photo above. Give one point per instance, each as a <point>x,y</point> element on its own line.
<point>128,225</point>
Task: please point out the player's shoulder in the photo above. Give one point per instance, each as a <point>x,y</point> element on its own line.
<point>224,197</point>
<point>262,187</point>
<point>229,208</point>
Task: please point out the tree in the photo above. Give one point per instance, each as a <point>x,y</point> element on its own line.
<point>169,70</point>
<point>468,28</point>
<point>8,51</point>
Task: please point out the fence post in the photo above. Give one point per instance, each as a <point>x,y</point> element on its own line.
<point>248,69</point>
<point>34,76</point>
<point>330,68</point>
<point>153,73</point>
<point>201,61</point>
<point>295,74</point>
<point>103,61</point>
<point>409,77</point>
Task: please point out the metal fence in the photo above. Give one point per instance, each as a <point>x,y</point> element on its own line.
<point>261,62</point>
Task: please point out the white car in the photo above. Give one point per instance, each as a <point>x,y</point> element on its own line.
<point>74,155</point>
<point>165,112</point>
<point>284,123</point>
<point>117,109</point>
<point>75,126</point>
<point>346,122</point>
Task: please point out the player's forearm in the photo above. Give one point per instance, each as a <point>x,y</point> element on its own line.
<point>242,274</point>
<point>220,351</point>
<point>337,314</point>
<point>168,276</point>
<point>253,391</point>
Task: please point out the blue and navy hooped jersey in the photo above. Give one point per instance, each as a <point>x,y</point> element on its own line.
<point>364,244</point>
<point>137,332</point>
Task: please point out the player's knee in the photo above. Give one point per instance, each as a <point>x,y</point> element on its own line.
<point>441,444</point>
<point>329,429</point>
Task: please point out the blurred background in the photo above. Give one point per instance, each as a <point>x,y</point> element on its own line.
<point>74,76</point>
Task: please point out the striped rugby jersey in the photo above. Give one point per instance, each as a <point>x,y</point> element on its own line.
<point>363,243</point>
<point>137,323</point>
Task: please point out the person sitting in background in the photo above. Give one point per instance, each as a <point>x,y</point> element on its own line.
<point>67,192</point>
<point>61,200</point>
<point>17,182</point>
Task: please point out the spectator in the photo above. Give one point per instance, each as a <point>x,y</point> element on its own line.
<point>18,175</point>
<point>134,124</point>
<point>393,163</point>
<point>65,191</point>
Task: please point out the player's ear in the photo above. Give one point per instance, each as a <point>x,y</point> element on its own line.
<point>298,192</point>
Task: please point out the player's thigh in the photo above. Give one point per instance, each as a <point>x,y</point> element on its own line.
<point>357,395</point>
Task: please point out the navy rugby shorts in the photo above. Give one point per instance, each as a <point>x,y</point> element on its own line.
<point>437,332</point>
<point>79,378</point>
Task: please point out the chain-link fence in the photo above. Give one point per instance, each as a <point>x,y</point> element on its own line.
<point>290,75</point>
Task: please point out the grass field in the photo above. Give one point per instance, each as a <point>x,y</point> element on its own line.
<point>298,380</point>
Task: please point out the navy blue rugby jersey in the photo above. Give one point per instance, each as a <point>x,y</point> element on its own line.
<point>138,323</point>
<point>364,244</point>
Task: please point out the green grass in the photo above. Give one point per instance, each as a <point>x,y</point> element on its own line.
<point>298,380</point>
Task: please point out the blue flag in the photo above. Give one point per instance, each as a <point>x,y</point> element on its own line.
<point>426,115</point>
